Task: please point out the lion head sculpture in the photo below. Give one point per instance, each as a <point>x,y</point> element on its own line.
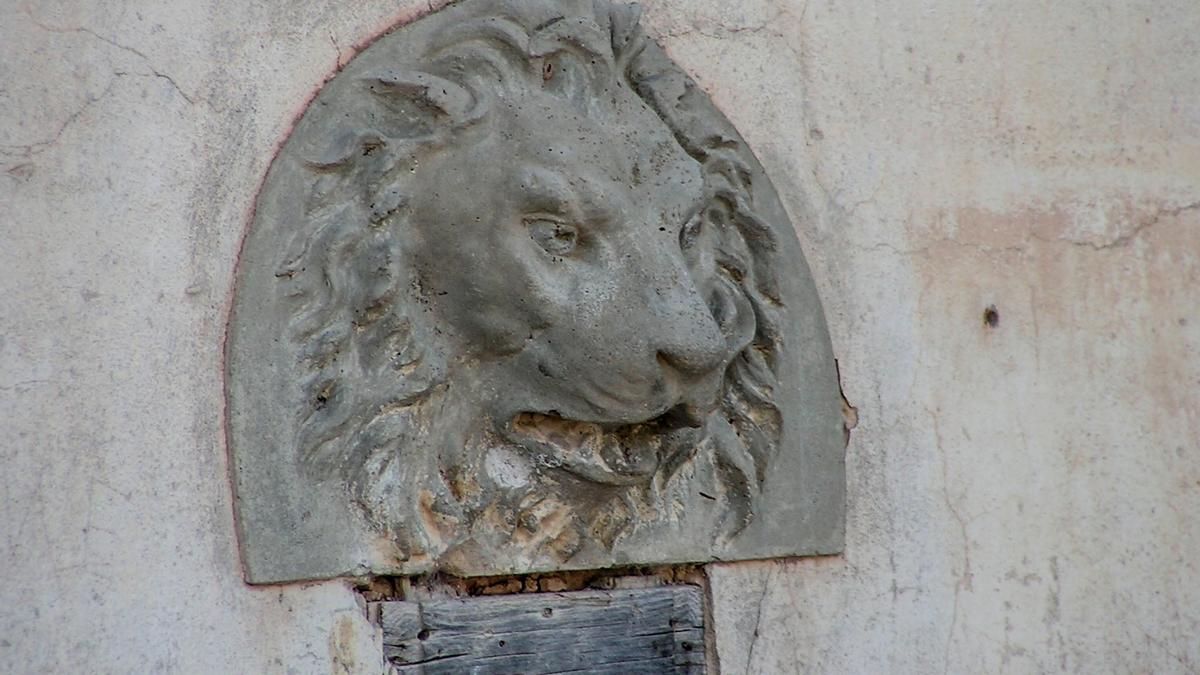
<point>530,301</point>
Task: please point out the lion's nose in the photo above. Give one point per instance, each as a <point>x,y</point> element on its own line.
<point>688,337</point>
<point>694,355</point>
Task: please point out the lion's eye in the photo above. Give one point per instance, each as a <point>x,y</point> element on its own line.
<point>555,237</point>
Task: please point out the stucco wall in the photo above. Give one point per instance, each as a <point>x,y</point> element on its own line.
<point>1023,497</point>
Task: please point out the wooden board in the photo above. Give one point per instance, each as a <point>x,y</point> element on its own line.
<point>646,630</point>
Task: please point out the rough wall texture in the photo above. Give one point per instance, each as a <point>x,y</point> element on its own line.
<point>1023,497</point>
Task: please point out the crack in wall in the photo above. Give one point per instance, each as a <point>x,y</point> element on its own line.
<point>1126,238</point>
<point>109,41</point>
<point>762,600</point>
<point>965,577</point>
<point>1120,241</point>
<point>26,151</point>
<point>29,150</point>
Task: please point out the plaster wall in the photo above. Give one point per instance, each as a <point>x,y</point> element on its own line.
<point>1023,497</point>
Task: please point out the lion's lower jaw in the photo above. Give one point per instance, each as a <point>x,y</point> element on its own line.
<point>603,454</point>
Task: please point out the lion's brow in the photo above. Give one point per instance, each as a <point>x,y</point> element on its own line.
<point>546,187</point>
<point>584,34</point>
<point>577,198</point>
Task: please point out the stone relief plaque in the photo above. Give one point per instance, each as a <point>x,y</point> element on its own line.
<point>517,297</point>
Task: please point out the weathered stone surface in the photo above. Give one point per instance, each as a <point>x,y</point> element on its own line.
<point>517,298</point>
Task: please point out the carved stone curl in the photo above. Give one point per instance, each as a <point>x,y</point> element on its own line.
<point>517,297</point>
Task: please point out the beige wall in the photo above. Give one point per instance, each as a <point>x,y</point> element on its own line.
<point>1023,498</point>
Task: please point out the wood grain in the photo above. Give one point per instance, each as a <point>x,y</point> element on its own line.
<point>647,630</point>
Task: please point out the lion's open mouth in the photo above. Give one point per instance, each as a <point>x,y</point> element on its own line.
<point>611,453</point>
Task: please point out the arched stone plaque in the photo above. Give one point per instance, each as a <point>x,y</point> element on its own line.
<point>517,297</point>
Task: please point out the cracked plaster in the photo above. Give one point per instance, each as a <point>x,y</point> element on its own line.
<point>1022,497</point>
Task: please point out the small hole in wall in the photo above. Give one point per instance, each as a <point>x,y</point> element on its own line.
<point>423,634</point>
<point>547,612</point>
<point>991,317</point>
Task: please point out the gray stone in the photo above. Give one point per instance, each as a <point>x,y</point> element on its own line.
<point>517,297</point>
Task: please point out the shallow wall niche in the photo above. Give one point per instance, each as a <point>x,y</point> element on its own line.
<point>518,298</point>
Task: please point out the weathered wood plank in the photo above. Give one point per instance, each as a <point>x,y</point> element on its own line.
<point>647,630</point>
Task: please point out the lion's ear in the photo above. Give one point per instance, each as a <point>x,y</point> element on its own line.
<point>624,25</point>
<point>404,107</point>
<point>423,90</point>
